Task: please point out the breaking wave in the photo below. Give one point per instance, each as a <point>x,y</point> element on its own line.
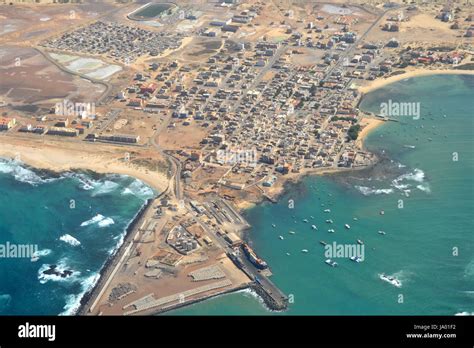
<point>106,222</point>
<point>94,220</point>
<point>73,301</point>
<point>104,187</point>
<point>67,238</point>
<point>21,173</point>
<point>138,189</point>
<point>417,175</point>
<point>402,182</point>
<point>40,253</point>
<point>367,191</point>
<point>61,267</point>
<point>100,220</point>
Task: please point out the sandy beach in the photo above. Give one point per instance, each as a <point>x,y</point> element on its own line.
<point>381,82</point>
<point>368,125</point>
<point>66,158</point>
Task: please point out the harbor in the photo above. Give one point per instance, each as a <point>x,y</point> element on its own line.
<point>146,276</point>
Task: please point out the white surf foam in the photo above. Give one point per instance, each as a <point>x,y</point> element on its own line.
<point>100,220</point>
<point>94,220</point>
<point>104,187</point>
<point>106,222</point>
<point>40,253</point>
<point>424,188</point>
<point>67,238</point>
<point>21,173</point>
<point>61,266</point>
<point>367,191</point>
<point>73,301</point>
<point>138,189</point>
<point>402,182</point>
<point>417,175</point>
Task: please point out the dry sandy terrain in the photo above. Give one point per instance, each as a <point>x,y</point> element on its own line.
<point>24,24</point>
<point>63,157</point>
<point>27,77</point>
<point>368,125</point>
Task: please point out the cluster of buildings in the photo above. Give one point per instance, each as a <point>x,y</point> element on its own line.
<point>181,240</point>
<point>119,42</point>
<point>297,119</point>
<point>63,126</point>
<point>428,57</point>
<point>7,123</point>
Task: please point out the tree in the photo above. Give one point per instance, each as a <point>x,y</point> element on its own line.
<point>353,132</point>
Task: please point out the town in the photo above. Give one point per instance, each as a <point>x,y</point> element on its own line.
<point>227,101</point>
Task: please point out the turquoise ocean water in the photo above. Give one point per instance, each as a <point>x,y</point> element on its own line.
<point>76,220</point>
<point>437,217</point>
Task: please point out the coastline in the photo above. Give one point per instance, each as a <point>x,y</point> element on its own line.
<point>66,159</point>
<point>369,123</point>
<point>409,73</point>
<point>59,160</point>
<point>113,260</point>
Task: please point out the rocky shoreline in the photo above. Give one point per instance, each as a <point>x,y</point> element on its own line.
<point>89,296</point>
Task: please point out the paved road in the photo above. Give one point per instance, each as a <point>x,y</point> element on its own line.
<point>176,168</point>
<point>348,52</point>
<point>112,115</point>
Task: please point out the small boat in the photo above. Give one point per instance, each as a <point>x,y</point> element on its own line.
<point>381,232</point>
<point>392,280</point>
<point>312,217</point>
<point>314,227</point>
<point>281,237</point>
<point>382,212</point>
<point>329,221</point>
<point>409,146</point>
<point>331,230</point>
<point>288,254</point>
<point>356,259</point>
<point>273,225</point>
<point>292,232</point>
<point>331,263</point>
<point>355,219</point>
<point>304,250</point>
<point>327,210</point>
<point>305,220</point>
<point>347,226</point>
<point>323,242</point>
<point>360,242</point>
